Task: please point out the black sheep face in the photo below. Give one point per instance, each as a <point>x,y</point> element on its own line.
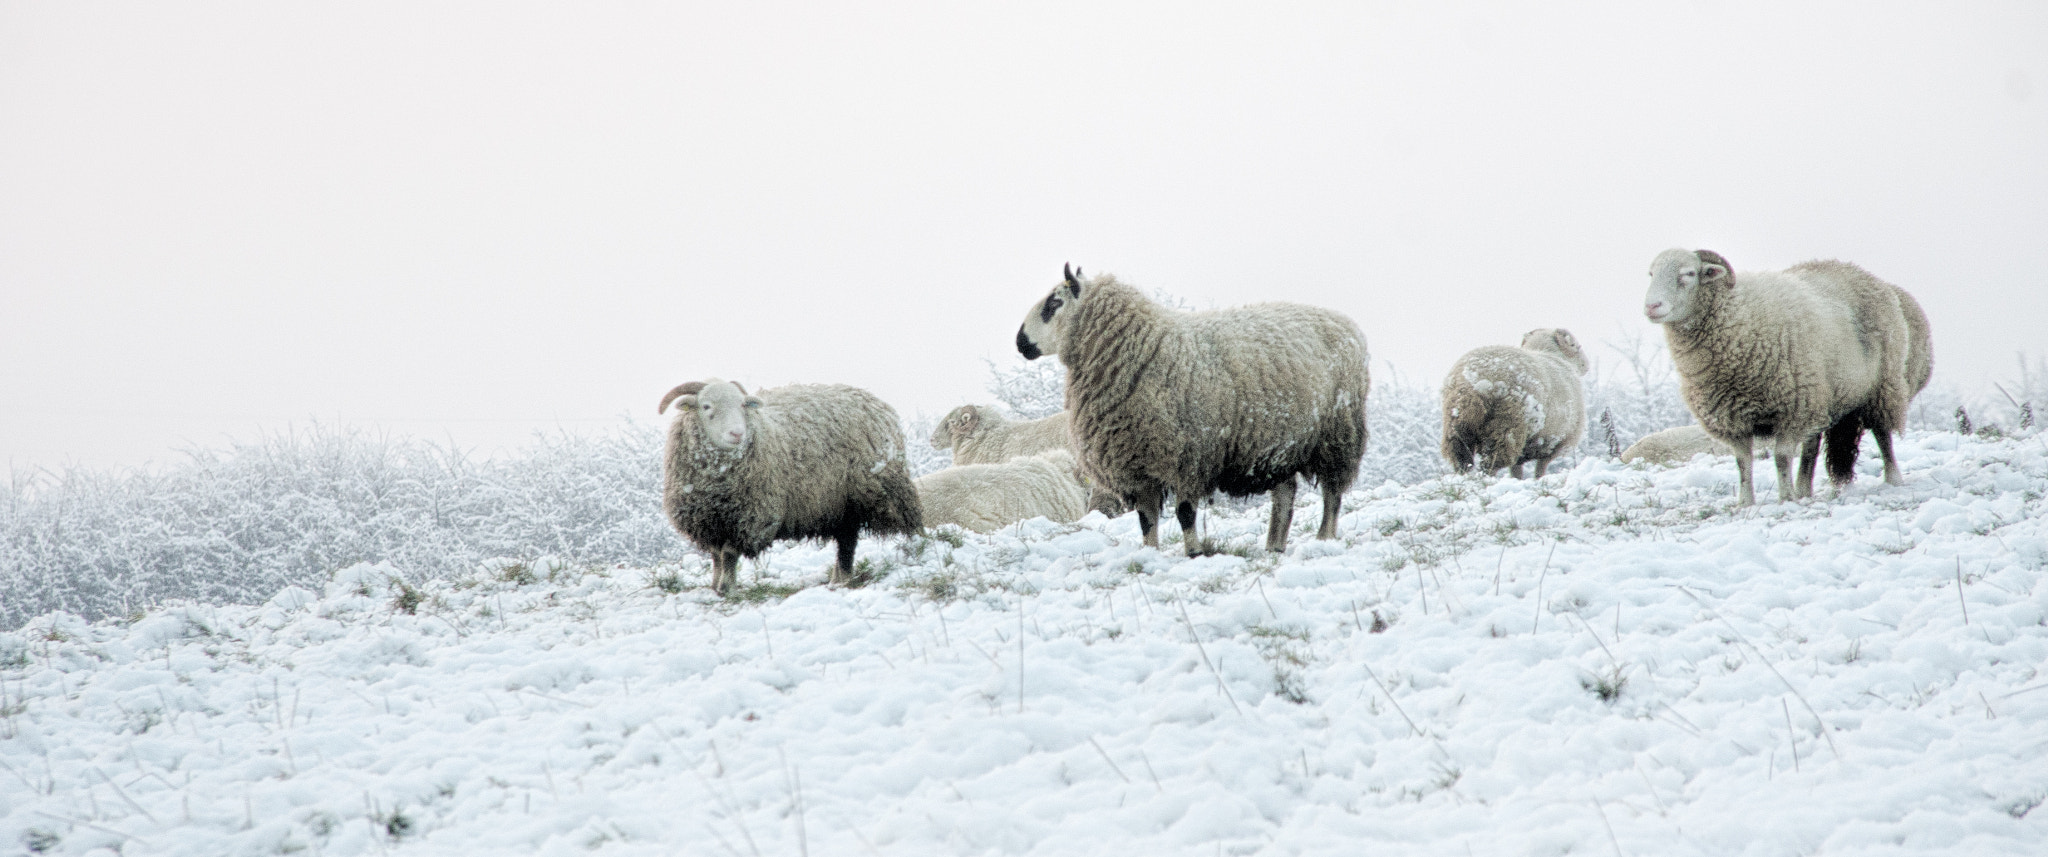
<point>1039,335</point>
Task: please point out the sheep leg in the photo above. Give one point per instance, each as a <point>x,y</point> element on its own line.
<point>1516,471</point>
<point>1189,538</point>
<point>842,573</point>
<point>1809,456</point>
<point>1745,455</point>
<point>1542,467</point>
<point>724,570</point>
<point>1892,476</point>
<point>1283,515</point>
<point>1782,453</point>
<point>1333,504</point>
<point>1147,503</point>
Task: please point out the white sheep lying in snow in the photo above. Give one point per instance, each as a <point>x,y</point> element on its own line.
<point>1673,446</point>
<point>986,497</point>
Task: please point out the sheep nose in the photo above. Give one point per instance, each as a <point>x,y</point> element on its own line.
<point>733,436</point>
<point>1654,309</point>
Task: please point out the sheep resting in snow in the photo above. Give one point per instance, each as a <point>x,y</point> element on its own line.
<point>1820,347</point>
<point>1189,403</point>
<point>980,434</point>
<point>1507,406</point>
<point>798,462</point>
<point>987,497</point>
<point>1673,446</point>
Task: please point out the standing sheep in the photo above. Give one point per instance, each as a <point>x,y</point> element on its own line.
<point>1190,403</point>
<point>798,462</point>
<point>987,497</point>
<point>1788,355</point>
<point>979,434</point>
<point>1505,406</point>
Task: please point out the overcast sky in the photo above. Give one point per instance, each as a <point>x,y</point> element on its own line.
<point>472,220</point>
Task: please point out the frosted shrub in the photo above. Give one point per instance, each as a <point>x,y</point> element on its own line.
<point>1632,391</point>
<point>236,525</point>
<point>922,458</point>
<point>1029,388</point>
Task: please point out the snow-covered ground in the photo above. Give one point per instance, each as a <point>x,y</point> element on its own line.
<point>1610,660</point>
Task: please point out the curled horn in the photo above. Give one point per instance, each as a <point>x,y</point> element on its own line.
<point>743,390</point>
<point>683,389</point>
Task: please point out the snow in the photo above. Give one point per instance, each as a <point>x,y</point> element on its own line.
<point>1609,660</point>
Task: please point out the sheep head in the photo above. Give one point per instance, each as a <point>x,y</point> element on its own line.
<point>1558,341</point>
<point>1039,335</point>
<point>1682,282</point>
<point>960,422</point>
<point>719,409</point>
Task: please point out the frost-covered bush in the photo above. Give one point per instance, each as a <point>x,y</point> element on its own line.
<point>238,524</point>
<point>1631,391</point>
<point>1405,420</point>
<point>2011,405</point>
<point>1030,389</point>
<point>923,459</point>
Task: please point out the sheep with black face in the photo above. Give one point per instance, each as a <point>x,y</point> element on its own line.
<point>797,462</point>
<point>1241,400</point>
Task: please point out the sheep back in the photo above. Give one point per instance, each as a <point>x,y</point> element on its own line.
<point>1673,446</point>
<point>986,497</point>
<point>1231,400</point>
<point>1511,405</point>
<point>820,460</point>
<point>979,434</point>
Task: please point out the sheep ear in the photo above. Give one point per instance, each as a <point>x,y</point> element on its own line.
<point>1073,279</point>
<point>753,402</point>
<point>1566,342</point>
<point>1713,266</point>
<point>686,391</point>
<point>970,416</point>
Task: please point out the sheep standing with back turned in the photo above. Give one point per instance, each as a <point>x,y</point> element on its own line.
<point>979,434</point>
<point>797,462</point>
<point>1789,355</point>
<point>1506,406</point>
<point>1189,403</point>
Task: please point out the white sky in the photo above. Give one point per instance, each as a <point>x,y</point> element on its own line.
<point>472,220</point>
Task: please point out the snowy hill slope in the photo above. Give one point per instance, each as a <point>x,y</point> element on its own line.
<point>1612,660</point>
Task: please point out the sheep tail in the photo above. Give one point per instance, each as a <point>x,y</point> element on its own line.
<point>1844,439</point>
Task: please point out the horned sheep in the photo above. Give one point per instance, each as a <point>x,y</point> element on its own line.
<point>1505,406</point>
<point>986,497</point>
<point>796,462</point>
<point>1819,348</point>
<point>1190,403</point>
